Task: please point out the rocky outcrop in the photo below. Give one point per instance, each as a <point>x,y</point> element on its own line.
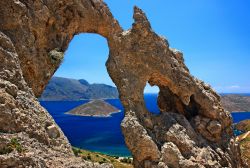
<point>192,130</point>
<point>33,36</point>
<point>243,125</point>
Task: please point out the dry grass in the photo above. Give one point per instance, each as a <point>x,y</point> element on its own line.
<point>102,158</point>
<point>245,149</point>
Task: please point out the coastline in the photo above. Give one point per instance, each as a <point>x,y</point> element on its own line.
<point>44,100</point>
<point>240,112</point>
<point>115,160</point>
<point>86,115</point>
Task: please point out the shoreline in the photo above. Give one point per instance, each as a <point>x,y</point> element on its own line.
<point>80,99</point>
<point>81,115</point>
<point>105,153</point>
<point>240,112</point>
<point>99,157</point>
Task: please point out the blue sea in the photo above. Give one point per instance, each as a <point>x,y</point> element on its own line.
<point>101,134</point>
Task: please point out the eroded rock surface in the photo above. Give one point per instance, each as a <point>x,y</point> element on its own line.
<point>193,130</point>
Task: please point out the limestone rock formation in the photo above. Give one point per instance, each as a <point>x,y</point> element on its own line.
<point>193,130</point>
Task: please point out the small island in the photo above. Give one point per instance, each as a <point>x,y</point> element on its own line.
<point>95,108</point>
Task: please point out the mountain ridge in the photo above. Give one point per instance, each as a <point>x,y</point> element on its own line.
<point>60,88</point>
<point>236,102</point>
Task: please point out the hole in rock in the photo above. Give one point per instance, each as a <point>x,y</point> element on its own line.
<point>150,98</point>
<point>170,102</point>
<point>192,109</point>
<point>81,79</point>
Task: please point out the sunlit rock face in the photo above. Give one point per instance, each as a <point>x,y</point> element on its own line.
<point>192,130</point>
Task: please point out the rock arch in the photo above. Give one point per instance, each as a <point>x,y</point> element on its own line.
<point>193,130</point>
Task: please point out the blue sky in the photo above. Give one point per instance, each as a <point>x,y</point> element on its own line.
<point>214,36</point>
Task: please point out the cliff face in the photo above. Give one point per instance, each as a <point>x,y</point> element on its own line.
<point>193,130</point>
<point>33,37</point>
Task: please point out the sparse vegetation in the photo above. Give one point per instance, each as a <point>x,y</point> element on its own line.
<point>14,144</point>
<point>89,157</point>
<point>102,158</point>
<point>245,149</point>
<point>126,160</point>
<point>243,125</point>
<point>56,56</point>
<point>244,139</point>
<point>76,151</point>
<point>5,150</point>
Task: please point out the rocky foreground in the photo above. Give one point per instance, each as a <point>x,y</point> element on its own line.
<point>192,130</point>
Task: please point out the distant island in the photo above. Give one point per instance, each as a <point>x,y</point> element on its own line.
<point>97,108</point>
<point>60,89</point>
<point>236,102</point>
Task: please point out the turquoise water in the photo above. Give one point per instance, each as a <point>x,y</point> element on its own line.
<point>101,134</point>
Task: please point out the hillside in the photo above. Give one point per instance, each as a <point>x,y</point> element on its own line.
<point>94,108</point>
<point>236,102</point>
<point>117,162</point>
<point>243,126</point>
<point>244,139</point>
<point>71,89</point>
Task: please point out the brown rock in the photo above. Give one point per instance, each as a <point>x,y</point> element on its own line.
<point>243,125</point>
<point>171,155</point>
<point>53,132</point>
<point>33,37</point>
<point>214,127</point>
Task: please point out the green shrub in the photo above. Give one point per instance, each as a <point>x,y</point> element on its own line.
<point>101,162</point>
<point>5,150</point>
<point>14,144</point>
<point>126,160</point>
<point>76,151</point>
<point>84,157</point>
<point>89,157</point>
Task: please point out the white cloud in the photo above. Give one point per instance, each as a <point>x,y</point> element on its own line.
<point>231,89</point>
<point>234,87</point>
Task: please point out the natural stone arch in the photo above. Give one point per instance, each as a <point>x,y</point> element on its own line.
<point>145,56</point>
<point>34,35</point>
<point>49,26</point>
